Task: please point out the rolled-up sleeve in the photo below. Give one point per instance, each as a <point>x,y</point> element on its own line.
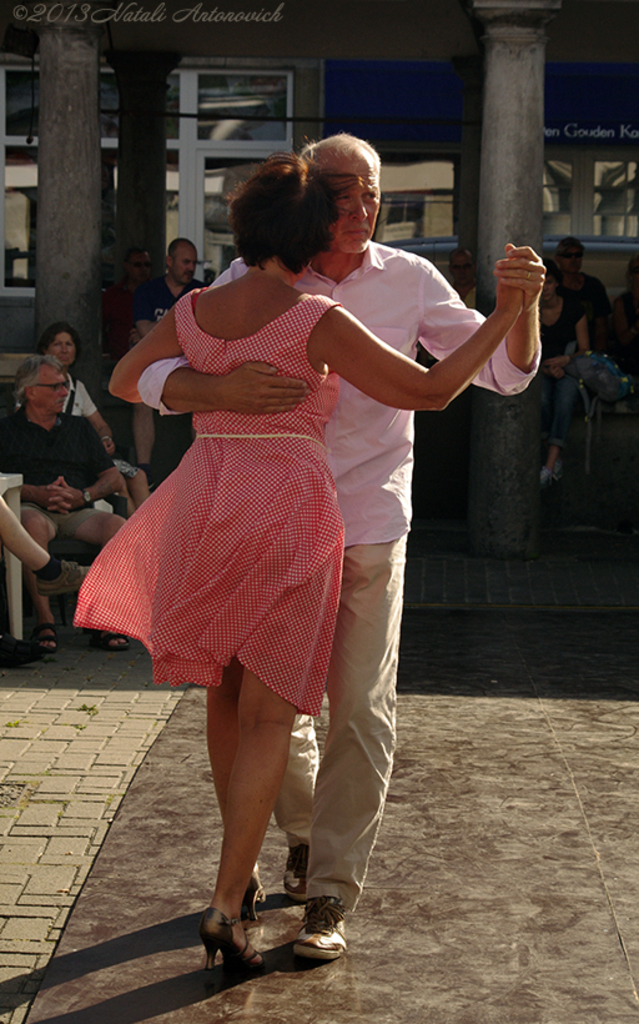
<point>152,381</point>
<point>447,323</point>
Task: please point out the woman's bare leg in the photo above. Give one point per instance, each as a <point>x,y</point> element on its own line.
<point>249,789</point>
<point>222,729</point>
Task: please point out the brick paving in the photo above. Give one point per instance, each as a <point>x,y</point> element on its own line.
<point>73,730</point>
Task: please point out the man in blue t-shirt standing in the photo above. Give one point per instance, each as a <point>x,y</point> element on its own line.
<point>150,302</point>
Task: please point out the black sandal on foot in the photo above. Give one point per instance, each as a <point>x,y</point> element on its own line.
<point>216,932</point>
<point>42,640</point>
<point>18,652</point>
<point>102,639</point>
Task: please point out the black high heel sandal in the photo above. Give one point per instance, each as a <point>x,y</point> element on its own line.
<point>216,932</point>
<point>254,894</point>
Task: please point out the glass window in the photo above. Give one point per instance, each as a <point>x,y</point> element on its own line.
<point>236,98</point>
<point>109,104</point>
<point>220,178</point>
<point>20,203</point>
<point>557,197</point>
<point>18,119</point>
<point>616,201</point>
<point>417,200</point>
<point>173,195</point>
<point>173,107</point>
<point>109,203</point>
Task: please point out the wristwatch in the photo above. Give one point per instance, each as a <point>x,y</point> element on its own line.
<point>88,500</point>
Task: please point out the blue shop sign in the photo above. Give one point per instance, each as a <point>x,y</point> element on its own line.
<point>590,104</point>
<point>585,104</point>
<point>582,132</point>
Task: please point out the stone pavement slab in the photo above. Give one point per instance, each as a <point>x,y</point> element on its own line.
<point>503,887</point>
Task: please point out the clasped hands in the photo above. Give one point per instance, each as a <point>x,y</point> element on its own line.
<point>554,367</point>
<point>60,497</point>
<point>520,279</point>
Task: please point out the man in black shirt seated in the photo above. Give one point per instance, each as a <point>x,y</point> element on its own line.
<point>65,469</point>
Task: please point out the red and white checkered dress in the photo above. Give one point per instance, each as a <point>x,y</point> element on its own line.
<point>239,552</point>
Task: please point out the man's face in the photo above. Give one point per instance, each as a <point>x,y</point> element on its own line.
<point>462,270</point>
<point>47,396</point>
<point>357,182</point>
<point>570,261</point>
<point>181,265</point>
<point>138,268</point>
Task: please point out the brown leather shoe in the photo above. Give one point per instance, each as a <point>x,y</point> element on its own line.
<point>70,579</point>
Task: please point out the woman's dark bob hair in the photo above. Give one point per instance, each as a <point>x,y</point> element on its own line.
<point>50,333</point>
<point>284,210</point>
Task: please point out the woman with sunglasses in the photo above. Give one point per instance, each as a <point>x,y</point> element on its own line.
<point>589,290</point>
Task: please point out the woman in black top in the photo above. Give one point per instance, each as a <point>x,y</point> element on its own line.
<point>562,321</point>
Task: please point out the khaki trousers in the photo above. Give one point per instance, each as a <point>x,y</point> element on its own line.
<point>355,770</point>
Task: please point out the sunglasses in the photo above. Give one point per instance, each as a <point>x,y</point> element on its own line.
<point>139,263</point>
<point>571,255</point>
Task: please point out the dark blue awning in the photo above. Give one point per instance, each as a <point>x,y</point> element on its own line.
<point>422,101</point>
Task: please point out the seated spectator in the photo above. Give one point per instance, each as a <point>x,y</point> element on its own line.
<point>65,469</point>
<point>625,319</point>
<point>463,274</point>
<point>52,577</point>
<point>63,341</point>
<point>119,332</point>
<point>563,321</point>
<point>589,290</point>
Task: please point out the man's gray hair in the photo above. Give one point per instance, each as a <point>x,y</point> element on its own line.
<point>342,144</point>
<point>29,374</point>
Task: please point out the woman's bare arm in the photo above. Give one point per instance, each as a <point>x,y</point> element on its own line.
<point>341,342</point>
<point>160,343</point>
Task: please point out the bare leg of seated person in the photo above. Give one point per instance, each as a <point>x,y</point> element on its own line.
<point>138,490</point>
<point>58,577</point>
<point>97,530</point>
<point>41,531</point>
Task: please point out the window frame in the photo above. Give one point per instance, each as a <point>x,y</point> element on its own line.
<point>192,151</point>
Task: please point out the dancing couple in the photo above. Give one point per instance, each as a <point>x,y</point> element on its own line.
<point>231,572</point>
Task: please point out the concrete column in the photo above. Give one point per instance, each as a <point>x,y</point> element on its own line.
<point>141,197</point>
<point>470,71</point>
<point>307,103</point>
<point>503,514</point>
<point>68,246</point>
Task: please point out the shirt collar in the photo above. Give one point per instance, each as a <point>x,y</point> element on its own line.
<point>372,261</point>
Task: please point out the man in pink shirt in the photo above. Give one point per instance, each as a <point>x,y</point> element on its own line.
<point>402,299</point>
